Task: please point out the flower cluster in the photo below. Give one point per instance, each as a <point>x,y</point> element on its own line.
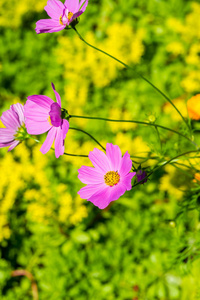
<point>112,173</point>
<point>107,181</point>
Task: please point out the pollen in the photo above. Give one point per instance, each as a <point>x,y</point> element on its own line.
<point>49,120</point>
<point>60,20</point>
<point>112,178</point>
<point>70,15</point>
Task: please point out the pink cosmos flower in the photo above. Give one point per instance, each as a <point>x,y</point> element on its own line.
<point>61,15</point>
<point>110,177</point>
<point>14,121</point>
<point>42,115</point>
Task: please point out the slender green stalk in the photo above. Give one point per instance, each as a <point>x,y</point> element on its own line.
<point>69,154</point>
<point>137,122</point>
<point>128,67</point>
<point>159,139</point>
<point>77,129</point>
<point>164,164</point>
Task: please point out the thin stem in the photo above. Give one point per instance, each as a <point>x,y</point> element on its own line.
<point>69,154</point>
<point>77,129</point>
<point>128,67</point>
<point>137,122</point>
<point>31,278</point>
<point>164,164</point>
<point>159,139</point>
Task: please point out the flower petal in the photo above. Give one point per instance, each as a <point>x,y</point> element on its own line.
<point>13,145</point>
<point>76,15</point>
<point>35,112</point>
<point>89,175</point>
<point>41,100</point>
<point>48,25</point>
<point>101,199</point>
<point>49,140</point>
<point>58,99</point>
<point>3,145</point>
<point>126,164</point>
<point>19,110</point>
<point>54,9</point>
<point>37,127</point>
<point>10,119</point>
<point>59,142</point>
<point>126,180</point>
<point>60,137</point>
<point>72,6</point>
<point>6,135</point>
<point>84,3</point>
<point>114,155</point>
<point>87,191</point>
<point>65,128</point>
<point>99,160</point>
<point>117,191</point>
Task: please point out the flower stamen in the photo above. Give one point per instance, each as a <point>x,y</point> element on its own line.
<point>60,20</point>
<point>49,120</point>
<point>70,15</point>
<point>111,178</point>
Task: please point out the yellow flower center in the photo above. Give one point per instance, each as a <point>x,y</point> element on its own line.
<point>70,15</point>
<point>49,120</point>
<point>60,20</point>
<point>111,178</point>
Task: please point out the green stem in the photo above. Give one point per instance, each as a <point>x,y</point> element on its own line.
<point>128,67</point>
<point>77,129</point>
<point>164,164</point>
<point>137,122</point>
<point>69,154</point>
<point>159,139</point>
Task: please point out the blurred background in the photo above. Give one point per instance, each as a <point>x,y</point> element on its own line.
<point>147,244</point>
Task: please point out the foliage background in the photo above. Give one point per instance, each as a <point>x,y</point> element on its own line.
<point>146,245</point>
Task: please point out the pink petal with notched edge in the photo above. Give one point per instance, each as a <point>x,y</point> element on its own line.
<point>72,6</point>
<point>89,175</point>
<point>54,9</point>
<point>126,164</point>
<point>99,160</point>
<point>35,127</point>
<point>48,25</point>
<point>58,99</point>
<point>114,155</point>
<point>87,191</point>
<point>13,145</point>
<point>19,110</point>
<point>101,198</point>
<point>46,146</point>
<point>41,100</point>
<point>10,119</point>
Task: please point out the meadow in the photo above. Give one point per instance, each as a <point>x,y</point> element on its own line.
<point>146,245</point>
